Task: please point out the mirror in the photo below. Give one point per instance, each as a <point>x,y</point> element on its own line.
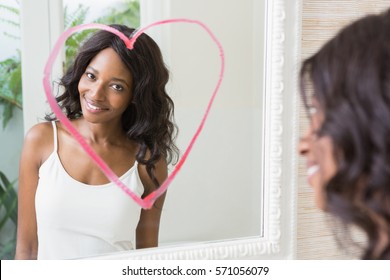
<point>217,195</point>
<point>234,196</point>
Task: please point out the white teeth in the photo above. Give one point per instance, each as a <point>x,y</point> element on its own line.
<point>93,107</point>
<point>312,169</point>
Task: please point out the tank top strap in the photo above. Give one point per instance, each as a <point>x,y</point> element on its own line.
<point>55,135</point>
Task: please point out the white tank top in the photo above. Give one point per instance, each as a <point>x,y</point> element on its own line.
<point>77,220</point>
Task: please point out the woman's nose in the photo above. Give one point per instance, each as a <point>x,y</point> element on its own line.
<point>97,91</point>
<point>303,145</point>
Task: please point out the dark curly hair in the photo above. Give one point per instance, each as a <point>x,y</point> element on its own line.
<point>350,77</point>
<point>149,118</point>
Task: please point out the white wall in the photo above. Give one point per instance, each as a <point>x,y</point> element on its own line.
<point>217,195</point>
<point>42,24</point>
<point>320,22</point>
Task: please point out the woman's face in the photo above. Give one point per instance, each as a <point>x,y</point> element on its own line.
<point>105,88</point>
<point>318,151</point>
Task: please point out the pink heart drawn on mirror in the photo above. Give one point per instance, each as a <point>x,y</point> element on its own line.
<point>149,200</point>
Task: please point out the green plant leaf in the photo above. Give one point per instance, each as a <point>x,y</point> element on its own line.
<point>7,113</point>
<point>126,13</point>
<point>7,250</point>
<point>5,94</point>
<point>10,70</point>
<point>75,17</point>
<point>15,81</point>
<point>8,216</point>
<point>7,64</point>
<point>10,87</point>
<point>9,35</point>
<point>4,179</point>
<point>8,200</point>
<point>12,10</point>
<point>10,22</point>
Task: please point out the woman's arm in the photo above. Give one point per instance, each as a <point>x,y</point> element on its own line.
<point>30,161</point>
<point>149,223</point>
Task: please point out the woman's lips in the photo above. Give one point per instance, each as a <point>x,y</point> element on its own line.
<point>312,170</point>
<point>94,108</point>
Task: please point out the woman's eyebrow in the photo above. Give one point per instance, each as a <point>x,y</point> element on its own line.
<point>93,69</point>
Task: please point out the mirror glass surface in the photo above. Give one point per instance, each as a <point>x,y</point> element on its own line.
<point>218,193</point>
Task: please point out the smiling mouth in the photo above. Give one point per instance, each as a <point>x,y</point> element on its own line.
<point>312,170</point>
<point>94,108</point>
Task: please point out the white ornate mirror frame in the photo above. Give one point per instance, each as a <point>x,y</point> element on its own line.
<point>278,234</point>
<point>278,237</point>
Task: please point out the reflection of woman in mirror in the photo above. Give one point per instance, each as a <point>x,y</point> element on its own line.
<point>116,99</point>
<point>347,146</point>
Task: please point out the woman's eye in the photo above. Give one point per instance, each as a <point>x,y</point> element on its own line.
<point>90,76</point>
<point>117,87</point>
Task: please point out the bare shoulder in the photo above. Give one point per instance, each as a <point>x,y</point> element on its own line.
<point>40,134</point>
<point>39,141</point>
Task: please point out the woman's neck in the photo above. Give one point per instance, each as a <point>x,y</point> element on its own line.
<point>100,133</point>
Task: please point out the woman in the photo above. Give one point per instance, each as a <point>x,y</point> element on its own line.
<point>116,99</point>
<point>347,146</point>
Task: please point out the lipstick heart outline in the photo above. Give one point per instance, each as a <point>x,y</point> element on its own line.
<point>149,200</point>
